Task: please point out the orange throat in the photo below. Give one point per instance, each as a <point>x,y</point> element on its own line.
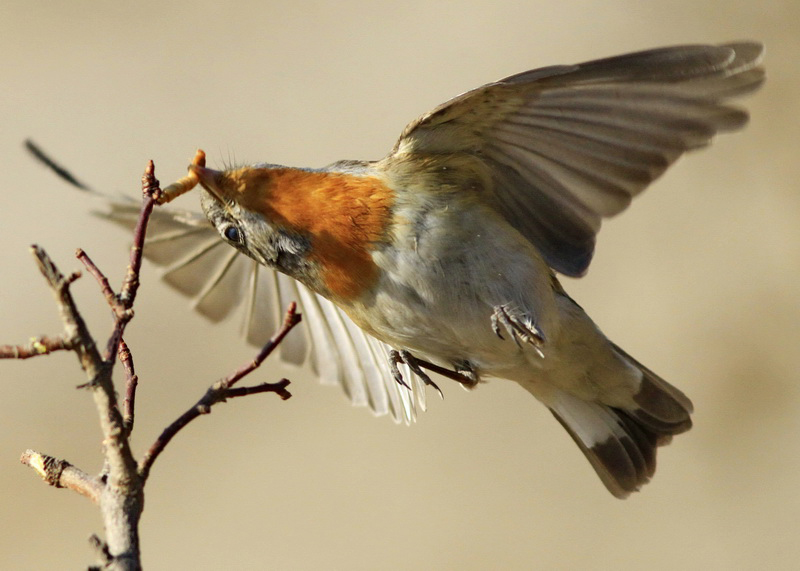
<point>346,216</point>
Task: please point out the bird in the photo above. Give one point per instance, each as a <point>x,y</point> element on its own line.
<point>447,252</point>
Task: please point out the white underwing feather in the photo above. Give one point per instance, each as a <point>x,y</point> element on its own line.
<point>199,264</point>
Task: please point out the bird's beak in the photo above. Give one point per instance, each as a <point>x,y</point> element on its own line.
<point>210,180</point>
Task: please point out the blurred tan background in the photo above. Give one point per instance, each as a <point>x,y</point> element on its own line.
<point>698,280</point>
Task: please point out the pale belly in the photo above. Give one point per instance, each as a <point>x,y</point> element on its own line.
<point>437,293</point>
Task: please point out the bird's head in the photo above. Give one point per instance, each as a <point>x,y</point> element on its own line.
<point>318,227</point>
<point>235,202</point>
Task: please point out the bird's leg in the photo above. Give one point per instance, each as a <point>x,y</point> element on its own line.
<point>467,372</point>
<point>518,325</point>
<point>413,363</point>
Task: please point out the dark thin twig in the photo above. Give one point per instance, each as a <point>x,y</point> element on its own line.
<point>290,319</point>
<point>101,278</point>
<point>151,192</point>
<point>222,389</point>
<point>279,388</point>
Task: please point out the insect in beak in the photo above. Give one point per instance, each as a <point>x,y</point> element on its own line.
<point>187,183</point>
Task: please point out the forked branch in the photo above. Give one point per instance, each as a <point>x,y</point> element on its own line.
<point>119,489</point>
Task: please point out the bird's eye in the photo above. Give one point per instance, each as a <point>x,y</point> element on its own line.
<point>232,234</point>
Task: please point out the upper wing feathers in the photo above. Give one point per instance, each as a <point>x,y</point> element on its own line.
<point>566,146</point>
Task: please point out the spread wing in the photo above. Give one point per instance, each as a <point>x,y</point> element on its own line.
<point>567,146</point>
<point>219,279</point>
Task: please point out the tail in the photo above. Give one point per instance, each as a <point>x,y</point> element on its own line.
<point>621,443</point>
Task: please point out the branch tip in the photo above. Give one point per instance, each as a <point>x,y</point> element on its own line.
<point>61,474</point>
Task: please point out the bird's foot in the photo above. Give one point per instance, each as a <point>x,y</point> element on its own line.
<point>396,357</point>
<point>519,326</point>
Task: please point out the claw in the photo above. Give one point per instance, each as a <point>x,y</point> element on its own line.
<point>412,363</point>
<point>396,357</point>
<point>496,325</point>
<point>520,327</point>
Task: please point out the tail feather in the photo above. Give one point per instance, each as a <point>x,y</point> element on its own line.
<point>621,443</point>
<point>620,451</point>
<point>662,408</point>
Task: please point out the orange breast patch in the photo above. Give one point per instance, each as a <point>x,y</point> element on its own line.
<point>345,216</point>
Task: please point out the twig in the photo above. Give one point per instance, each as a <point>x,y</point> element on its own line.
<point>35,348</point>
<point>151,192</point>
<point>62,474</point>
<point>279,388</point>
<point>121,495</point>
<point>131,382</point>
<point>291,319</point>
<point>101,278</point>
<point>97,370</point>
<point>222,390</point>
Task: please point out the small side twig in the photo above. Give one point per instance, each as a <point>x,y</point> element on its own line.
<point>101,278</point>
<point>222,390</point>
<point>279,388</point>
<point>36,347</point>
<point>62,474</point>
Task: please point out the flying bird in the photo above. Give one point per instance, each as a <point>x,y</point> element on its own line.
<point>448,249</point>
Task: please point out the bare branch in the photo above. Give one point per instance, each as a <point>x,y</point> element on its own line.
<point>151,192</point>
<point>62,474</point>
<point>75,329</point>
<point>222,390</point>
<point>97,370</point>
<point>119,489</point>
